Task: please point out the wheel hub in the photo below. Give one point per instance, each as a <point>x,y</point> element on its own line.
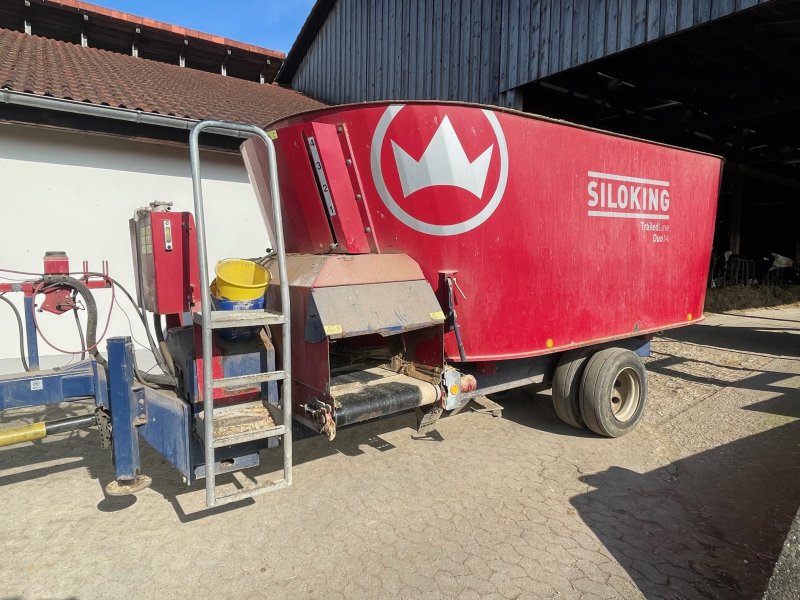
<point>626,395</point>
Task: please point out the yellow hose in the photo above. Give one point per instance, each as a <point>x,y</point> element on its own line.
<point>26,433</point>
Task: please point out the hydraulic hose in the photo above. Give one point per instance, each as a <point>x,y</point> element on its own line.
<point>21,332</point>
<point>80,332</point>
<point>91,311</point>
<point>154,379</point>
<point>90,342</point>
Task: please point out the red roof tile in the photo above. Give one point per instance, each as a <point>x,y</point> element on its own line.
<point>49,67</point>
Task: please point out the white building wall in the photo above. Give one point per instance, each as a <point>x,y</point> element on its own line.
<point>75,192</point>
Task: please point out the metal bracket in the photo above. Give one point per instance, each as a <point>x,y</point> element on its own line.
<point>486,406</point>
<point>322,417</point>
<point>451,380</point>
<point>104,425</point>
<point>141,406</point>
<point>426,420</point>
<point>452,317</point>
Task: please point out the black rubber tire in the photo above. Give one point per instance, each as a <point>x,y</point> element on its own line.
<point>605,372</point>
<point>567,385</point>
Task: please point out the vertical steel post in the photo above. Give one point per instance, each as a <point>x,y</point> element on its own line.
<point>205,294</point>
<point>30,335</point>
<point>123,408</point>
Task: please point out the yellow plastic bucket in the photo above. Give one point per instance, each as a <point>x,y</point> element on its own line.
<point>239,279</point>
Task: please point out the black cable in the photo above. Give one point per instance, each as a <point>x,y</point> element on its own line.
<point>167,380</point>
<point>21,332</point>
<point>154,347</point>
<point>159,328</point>
<point>143,376</point>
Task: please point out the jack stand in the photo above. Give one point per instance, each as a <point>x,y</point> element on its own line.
<point>426,420</point>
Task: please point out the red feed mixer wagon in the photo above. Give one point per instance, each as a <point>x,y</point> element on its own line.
<point>554,251</point>
<point>423,255</point>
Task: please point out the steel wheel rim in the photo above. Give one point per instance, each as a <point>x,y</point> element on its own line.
<point>625,395</point>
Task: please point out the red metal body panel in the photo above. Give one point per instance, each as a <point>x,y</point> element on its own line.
<point>306,228</point>
<point>168,262</point>
<point>346,220</point>
<point>559,235</point>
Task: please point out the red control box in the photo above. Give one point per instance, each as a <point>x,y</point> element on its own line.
<point>56,263</point>
<point>165,252</point>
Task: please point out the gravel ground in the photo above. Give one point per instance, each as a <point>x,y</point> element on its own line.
<point>695,503</point>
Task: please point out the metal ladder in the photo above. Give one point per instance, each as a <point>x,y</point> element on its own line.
<point>210,320</point>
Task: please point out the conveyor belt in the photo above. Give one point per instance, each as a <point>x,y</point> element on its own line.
<point>377,392</point>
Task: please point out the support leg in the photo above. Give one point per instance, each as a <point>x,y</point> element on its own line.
<point>30,335</point>
<point>123,401</point>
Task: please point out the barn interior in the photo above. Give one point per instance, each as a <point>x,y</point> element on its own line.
<point>729,87</point>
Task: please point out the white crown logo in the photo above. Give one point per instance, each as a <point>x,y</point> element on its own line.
<point>444,162</point>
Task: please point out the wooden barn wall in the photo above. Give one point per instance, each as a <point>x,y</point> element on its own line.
<point>476,50</point>
<point>379,49</point>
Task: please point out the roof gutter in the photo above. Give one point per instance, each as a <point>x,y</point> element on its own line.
<point>106,112</point>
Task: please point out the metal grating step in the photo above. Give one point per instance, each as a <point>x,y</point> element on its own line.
<point>225,319</point>
<point>237,425</point>
<point>248,380</point>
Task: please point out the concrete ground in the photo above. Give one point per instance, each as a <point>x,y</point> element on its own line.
<point>695,503</point>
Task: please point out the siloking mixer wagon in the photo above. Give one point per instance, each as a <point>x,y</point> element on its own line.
<point>424,254</point>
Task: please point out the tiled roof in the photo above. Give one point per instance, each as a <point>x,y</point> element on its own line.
<point>47,67</point>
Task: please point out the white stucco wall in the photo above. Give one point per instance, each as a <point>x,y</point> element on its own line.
<point>75,192</point>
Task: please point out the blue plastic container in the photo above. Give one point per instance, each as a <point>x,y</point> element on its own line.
<point>237,334</point>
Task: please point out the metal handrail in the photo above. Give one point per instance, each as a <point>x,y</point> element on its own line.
<point>202,257</point>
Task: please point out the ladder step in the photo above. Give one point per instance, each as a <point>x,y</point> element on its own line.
<point>238,425</point>
<point>243,437</point>
<point>225,319</point>
<point>248,380</point>
<point>245,493</point>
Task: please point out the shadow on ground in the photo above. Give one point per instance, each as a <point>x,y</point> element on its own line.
<point>770,339</point>
<point>82,450</point>
<point>713,524</point>
<point>708,526</point>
